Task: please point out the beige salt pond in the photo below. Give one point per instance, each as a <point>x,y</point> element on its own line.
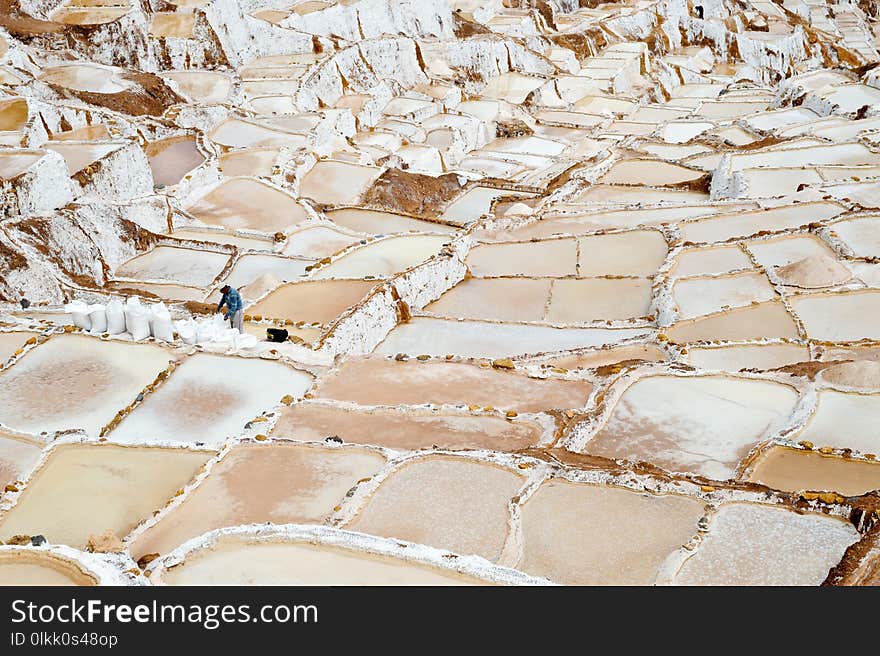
<point>745,224</point>
<point>294,484</point>
<point>752,322</point>
<point>15,162</point>
<point>202,86</point>
<point>655,173</point>
<point>602,357</point>
<point>377,222</point>
<point>701,296</point>
<point>504,299</point>
<point>445,502</point>
<point>338,183</point>
<point>636,253</point>
<point>221,237</point>
<point>317,301</point>
<point>259,162</point>
<point>708,261</point>
<point>234,133</point>
<point>171,159</point>
<point>840,317</point>
<point>861,234</point>
<point>748,356</point>
<point>187,266</point>
<point>248,203</point>
<point>318,242</point>
<point>164,291</point>
<point>748,544</point>
<point>11,342</point>
<point>693,424</point>
<point>76,382</point>
<point>414,382</point>
<point>405,430</point>
<point>438,337</point>
<point>794,470</point>
<point>844,420</point>
<point>79,155</point>
<point>293,563</point>
<point>17,457</point>
<point>578,534</point>
<point>33,567</point>
<point>595,299</point>
<point>779,251</point>
<point>556,257</point>
<point>250,267</point>
<point>474,203</point>
<point>210,398</point>
<point>91,78</point>
<point>383,257</point>
<point>82,490</point>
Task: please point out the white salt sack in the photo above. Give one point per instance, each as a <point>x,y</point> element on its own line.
<point>115,317</point>
<point>160,323</point>
<point>98,317</point>
<point>137,320</point>
<point>79,311</point>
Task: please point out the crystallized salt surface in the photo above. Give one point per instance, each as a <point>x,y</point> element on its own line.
<point>415,382</point>
<point>318,242</point>
<point>493,340</point>
<point>318,301</point>
<point>171,159</point>
<point>10,343</point>
<point>795,470</point>
<point>592,535</point>
<point>602,357</point>
<point>277,563</point>
<point>182,265</point>
<point>83,490</point>
<point>636,253</point>
<point>748,356</point>
<point>376,222</point>
<point>249,267</point>
<point>702,424</point>
<point>701,296</point>
<point>750,322</point>
<point>594,299</point>
<point>762,545</point>
<point>784,250</point>
<point>705,261</point>
<point>209,398</point>
<point>403,430</point>
<point>383,258</point>
<point>259,483</point>
<point>845,420</point>
<point>839,317</point>
<point>17,457</point>
<point>76,382</point>
<point>449,503</point>
<point>248,203</point>
<point>337,183</point>
<point>557,257</point>
<point>504,299</point>
<point>863,374</point>
<point>37,568</point>
<point>862,235</point>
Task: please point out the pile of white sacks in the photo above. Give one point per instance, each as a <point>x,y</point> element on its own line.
<point>142,322</point>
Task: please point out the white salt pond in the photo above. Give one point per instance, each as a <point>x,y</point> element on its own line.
<point>187,266</point>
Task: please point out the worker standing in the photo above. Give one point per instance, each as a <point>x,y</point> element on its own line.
<point>232,300</point>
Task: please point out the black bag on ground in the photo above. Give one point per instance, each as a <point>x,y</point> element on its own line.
<point>276,334</point>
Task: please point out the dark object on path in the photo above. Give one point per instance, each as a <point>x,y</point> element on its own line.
<point>276,334</point>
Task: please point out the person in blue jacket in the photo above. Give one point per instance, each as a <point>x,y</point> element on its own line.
<point>234,311</point>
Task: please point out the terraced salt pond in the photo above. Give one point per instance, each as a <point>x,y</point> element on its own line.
<point>839,317</point>
<point>282,563</point>
<point>17,457</point>
<point>298,484</point>
<point>76,382</point>
<point>844,420</point>
<point>209,398</point>
<point>795,470</point>
<point>404,430</point>
<point>571,534</point>
<point>693,424</point>
<point>83,490</point>
<point>439,383</point>
<point>770,320</point>
<point>192,267</point>
<point>40,568</point>
<point>248,203</point>
<point>444,502</point>
<point>762,545</point>
<point>383,257</point>
<point>318,301</point>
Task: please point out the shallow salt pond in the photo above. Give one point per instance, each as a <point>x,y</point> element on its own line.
<point>701,296</point>
<point>708,261</point>
<point>862,235</point>
<point>76,382</point>
<point>86,77</point>
<point>415,382</point>
<point>202,86</point>
<point>474,203</point>
<point>221,237</point>
<point>171,159</point>
<point>83,490</point>
<point>36,567</point>
<point>745,224</point>
<point>378,222</point>
<point>338,183</point>
<point>209,398</point>
<point>318,241</point>
<point>383,257</point>
<point>748,356</point>
<point>555,257</point>
<point>594,299</point>
<point>250,267</point>
<point>603,357</point>
<point>844,420</point>
<point>510,299</point>
<point>445,502</point>
<point>579,534</point>
<point>16,162</point>
<point>17,457</point>
<point>748,544</point>
<point>395,429</point>
<point>276,483</point>
<point>751,322</point>
<point>636,253</point>
<point>259,162</point>
<point>11,342</point>
<point>313,301</point>
<point>648,172</point>
<point>784,250</point>
<point>299,563</point>
<point>429,336</point>
<point>79,155</point>
<point>794,470</point>
<point>248,203</point>
<point>693,424</point>
<point>187,266</point>
<point>840,317</point>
